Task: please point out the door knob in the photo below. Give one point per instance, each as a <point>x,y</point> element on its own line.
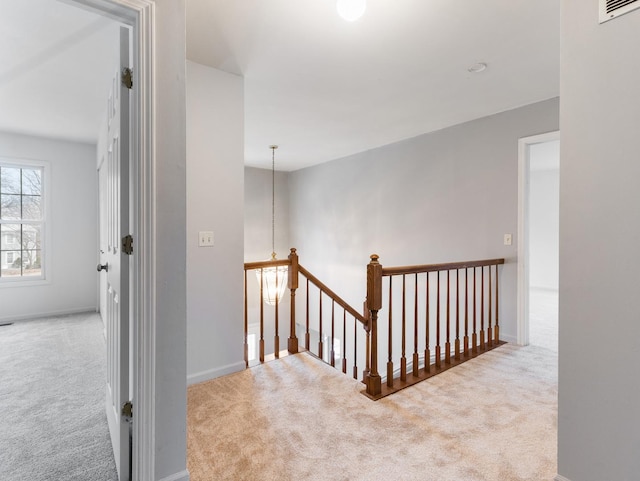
<point>104,267</point>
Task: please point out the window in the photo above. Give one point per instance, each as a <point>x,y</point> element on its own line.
<point>21,221</point>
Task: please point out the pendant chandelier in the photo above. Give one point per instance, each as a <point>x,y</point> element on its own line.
<point>272,280</point>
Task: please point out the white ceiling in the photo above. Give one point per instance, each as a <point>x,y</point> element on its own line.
<point>56,65</point>
<point>318,86</point>
<point>323,88</point>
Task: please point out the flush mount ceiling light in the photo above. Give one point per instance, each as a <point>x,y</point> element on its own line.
<point>351,10</point>
<point>477,67</point>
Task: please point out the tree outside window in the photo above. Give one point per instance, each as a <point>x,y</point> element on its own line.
<point>21,222</point>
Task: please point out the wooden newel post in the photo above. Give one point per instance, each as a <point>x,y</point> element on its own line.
<point>293,285</point>
<point>374,304</point>
<point>367,356</point>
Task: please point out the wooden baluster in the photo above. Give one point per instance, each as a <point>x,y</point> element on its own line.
<point>427,350</point>
<point>292,344</point>
<point>320,343</point>
<point>489,328</point>
<point>276,338</point>
<point>261,315</point>
<point>474,337</point>
<point>355,348</point>
<point>306,334</point>
<point>246,323</point>
<point>367,343</point>
<point>367,354</point>
<point>482,308</point>
<point>457,348</point>
<point>447,346</point>
<point>403,359</point>
<point>374,303</point>
<point>438,353</point>
<point>390,347</point>
<point>332,359</point>
<point>497,332</point>
<point>466,312</point>
<point>416,359</point>
<point>344,341</point>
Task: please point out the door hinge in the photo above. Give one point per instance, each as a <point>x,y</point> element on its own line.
<point>127,77</point>
<point>127,411</point>
<point>127,244</point>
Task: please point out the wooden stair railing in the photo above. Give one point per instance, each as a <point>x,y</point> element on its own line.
<point>320,305</point>
<point>480,310</point>
<point>331,324</point>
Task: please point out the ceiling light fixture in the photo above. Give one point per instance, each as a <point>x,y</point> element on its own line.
<point>477,67</point>
<point>351,10</point>
<point>272,280</point>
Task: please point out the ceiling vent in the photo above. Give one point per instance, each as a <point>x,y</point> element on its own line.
<point>610,9</point>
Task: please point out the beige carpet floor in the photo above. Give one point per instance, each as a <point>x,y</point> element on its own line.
<point>492,419</point>
<point>543,318</point>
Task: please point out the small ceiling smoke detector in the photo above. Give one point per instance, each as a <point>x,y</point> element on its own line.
<point>477,67</point>
<point>351,10</point>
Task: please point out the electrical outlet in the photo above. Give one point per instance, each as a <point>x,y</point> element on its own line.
<point>205,238</point>
<point>507,239</point>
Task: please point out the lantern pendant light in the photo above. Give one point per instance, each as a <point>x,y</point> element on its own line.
<point>272,280</point>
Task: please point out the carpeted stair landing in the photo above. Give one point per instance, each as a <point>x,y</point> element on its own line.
<point>490,419</point>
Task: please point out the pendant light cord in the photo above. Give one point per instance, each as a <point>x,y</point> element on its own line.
<point>273,201</point>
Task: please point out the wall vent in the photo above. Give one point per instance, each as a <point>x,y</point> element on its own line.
<point>610,9</point>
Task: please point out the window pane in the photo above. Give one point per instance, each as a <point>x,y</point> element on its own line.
<point>31,207</point>
<point>21,221</point>
<point>31,263</point>
<point>31,237</point>
<point>9,180</point>
<point>31,182</point>
<point>9,207</point>
<point>10,236</point>
<point>10,263</point>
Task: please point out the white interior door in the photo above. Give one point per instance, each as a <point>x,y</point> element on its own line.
<point>103,239</point>
<point>116,195</point>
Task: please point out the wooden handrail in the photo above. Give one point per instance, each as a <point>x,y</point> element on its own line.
<point>249,266</point>
<point>444,323</point>
<point>455,348</point>
<point>394,271</point>
<point>338,300</point>
<point>335,350</point>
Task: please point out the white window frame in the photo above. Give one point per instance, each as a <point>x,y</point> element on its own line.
<point>44,277</point>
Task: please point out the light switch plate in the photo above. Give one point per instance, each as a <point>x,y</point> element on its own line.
<point>507,239</point>
<point>205,238</point>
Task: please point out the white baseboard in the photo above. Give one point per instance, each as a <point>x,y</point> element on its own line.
<point>561,478</point>
<point>40,315</point>
<point>508,338</point>
<point>181,476</point>
<point>209,374</point>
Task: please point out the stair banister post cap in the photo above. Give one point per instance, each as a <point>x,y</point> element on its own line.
<point>374,258</point>
<point>293,250</point>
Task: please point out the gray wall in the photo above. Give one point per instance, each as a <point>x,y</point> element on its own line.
<point>257,213</point>
<point>544,212</point>
<point>215,171</point>
<point>445,196</point>
<point>598,418</point>
<point>169,210</point>
<point>71,279</point>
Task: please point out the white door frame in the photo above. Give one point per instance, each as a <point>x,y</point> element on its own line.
<point>140,15</point>
<point>524,143</point>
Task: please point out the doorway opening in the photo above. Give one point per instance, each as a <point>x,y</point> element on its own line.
<point>538,240</point>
